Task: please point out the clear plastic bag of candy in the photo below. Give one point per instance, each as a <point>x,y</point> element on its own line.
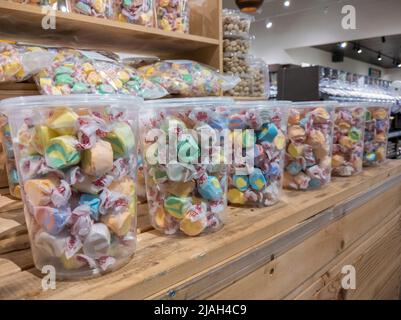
<point>236,24</point>
<point>188,78</point>
<point>10,166</point>
<point>172,15</point>
<point>96,8</point>
<point>348,143</point>
<point>184,163</point>
<point>80,72</point>
<point>309,145</point>
<point>139,12</point>
<point>258,130</point>
<point>376,133</point>
<point>76,161</point>
<point>19,62</point>
<point>238,46</point>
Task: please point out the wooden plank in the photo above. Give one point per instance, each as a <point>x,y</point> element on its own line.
<point>161,261</point>
<point>22,258</point>
<point>86,32</point>
<point>8,203</point>
<point>17,242</point>
<point>278,277</point>
<point>23,284</point>
<point>391,289</point>
<point>327,285</point>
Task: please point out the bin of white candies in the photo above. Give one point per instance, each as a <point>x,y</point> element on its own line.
<point>349,129</point>
<point>309,145</point>
<point>258,131</point>
<point>376,133</point>
<point>76,160</point>
<point>186,177</point>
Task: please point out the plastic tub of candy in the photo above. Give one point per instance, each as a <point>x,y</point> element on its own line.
<point>96,8</point>
<point>186,179</point>
<point>137,12</point>
<point>76,161</point>
<point>236,24</point>
<point>309,145</point>
<point>258,130</point>
<point>172,15</point>
<point>376,133</point>
<point>349,130</point>
<point>7,144</point>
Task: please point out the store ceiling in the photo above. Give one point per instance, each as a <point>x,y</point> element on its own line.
<point>370,48</point>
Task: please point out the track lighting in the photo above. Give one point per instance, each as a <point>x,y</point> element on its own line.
<point>379,57</point>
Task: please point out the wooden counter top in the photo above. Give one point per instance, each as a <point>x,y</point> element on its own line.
<point>176,267</point>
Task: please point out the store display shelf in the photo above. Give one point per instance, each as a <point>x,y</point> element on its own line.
<point>183,268</point>
<point>24,23</point>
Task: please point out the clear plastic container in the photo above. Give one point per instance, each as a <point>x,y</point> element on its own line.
<point>137,12</point>
<point>97,8</point>
<point>11,169</point>
<point>309,145</point>
<point>173,15</point>
<point>259,72</point>
<point>239,46</point>
<point>349,131</point>
<point>376,133</point>
<point>258,130</point>
<point>76,160</point>
<point>237,64</point>
<point>243,88</point>
<point>186,177</point>
<point>236,24</point>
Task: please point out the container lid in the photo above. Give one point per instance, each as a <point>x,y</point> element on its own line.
<point>314,104</point>
<point>13,104</point>
<point>184,102</point>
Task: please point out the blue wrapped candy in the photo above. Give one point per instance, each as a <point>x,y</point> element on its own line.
<point>241,182</point>
<point>257,180</point>
<point>294,168</point>
<point>210,189</point>
<point>268,133</point>
<point>93,202</point>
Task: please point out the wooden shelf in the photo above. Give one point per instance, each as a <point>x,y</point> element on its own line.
<point>24,23</point>
<point>181,267</point>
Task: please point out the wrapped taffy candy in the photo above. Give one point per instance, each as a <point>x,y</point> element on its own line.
<point>18,62</point>
<point>186,179</point>
<point>173,15</point>
<point>188,78</point>
<point>258,137</point>
<point>376,133</point>
<point>139,12</point>
<point>75,73</point>
<point>309,145</point>
<point>349,129</point>
<point>97,8</point>
<point>76,160</point>
<point>7,144</point>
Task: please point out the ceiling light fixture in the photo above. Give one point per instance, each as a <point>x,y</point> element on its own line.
<point>287,3</point>
<point>249,6</point>
<point>399,65</point>
<point>269,24</point>
<point>359,51</point>
<point>379,57</point>
<point>343,45</point>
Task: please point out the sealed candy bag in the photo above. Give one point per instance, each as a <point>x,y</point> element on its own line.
<point>97,8</point>
<point>73,72</point>
<point>173,15</point>
<point>309,145</point>
<point>188,78</point>
<point>76,160</point>
<point>376,133</point>
<point>348,144</point>
<point>7,144</point>
<point>18,63</point>
<point>139,12</point>
<point>258,131</point>
<point>236,24</point>
<point>186,178</point>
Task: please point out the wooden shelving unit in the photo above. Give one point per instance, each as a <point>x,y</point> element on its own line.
<point>24,23</point>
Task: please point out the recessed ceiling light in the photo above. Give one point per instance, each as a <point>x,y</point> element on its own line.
<point>359,51</point>
<point>343,45</point>
<point>399,65</point>
<point>269,24</point>
<point>287,3</point>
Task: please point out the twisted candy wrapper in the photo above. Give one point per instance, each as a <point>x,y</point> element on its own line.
<point>90,128</point>
<point>112,202</point>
